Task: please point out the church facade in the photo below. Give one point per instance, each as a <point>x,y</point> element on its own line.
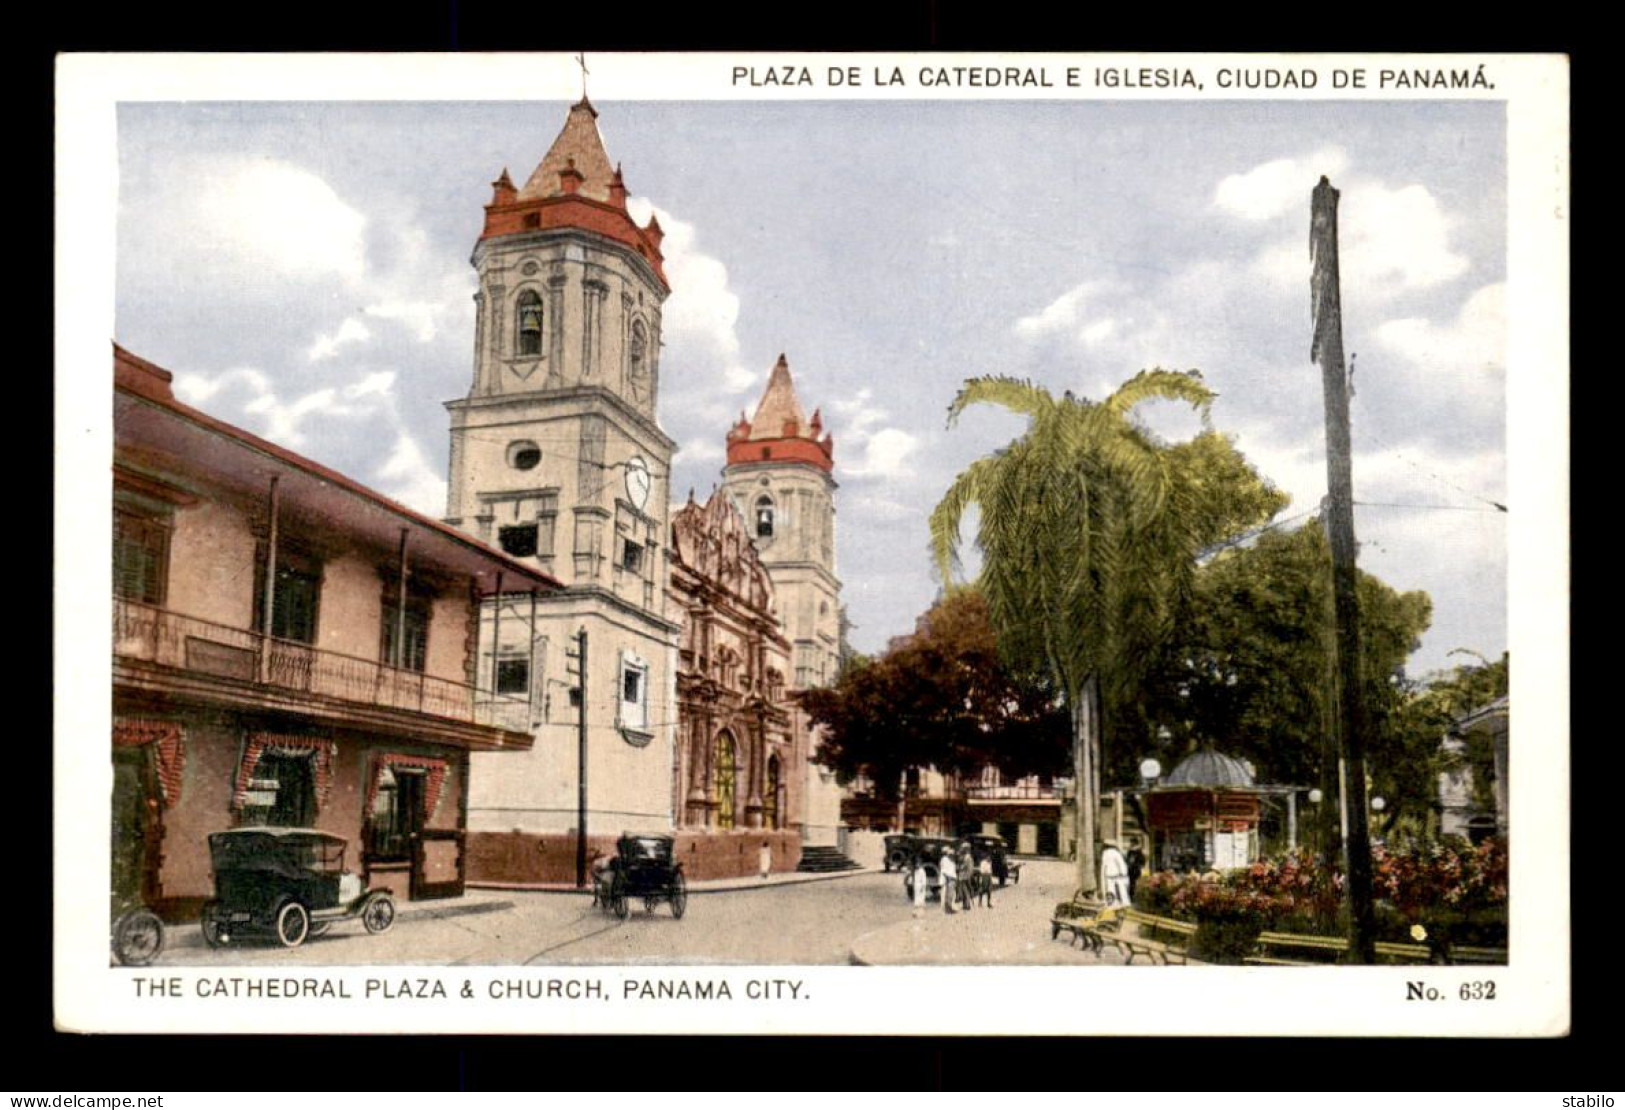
<point>669,654</point>
<point>780,476</point>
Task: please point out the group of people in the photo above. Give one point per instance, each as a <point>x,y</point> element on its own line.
<point>965,880</point>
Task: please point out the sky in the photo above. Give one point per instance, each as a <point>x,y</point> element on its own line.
<point>303,270</point>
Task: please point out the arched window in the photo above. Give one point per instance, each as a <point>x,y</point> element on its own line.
<point>530,324</point>
<point>764,517</point>
<point>770,796</point>
<point>724,772</point>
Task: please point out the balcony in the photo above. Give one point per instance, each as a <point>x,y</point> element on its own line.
<point>148,634</point>
<point>1018,792</point>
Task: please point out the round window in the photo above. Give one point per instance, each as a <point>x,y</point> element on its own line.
<point>524,455</point>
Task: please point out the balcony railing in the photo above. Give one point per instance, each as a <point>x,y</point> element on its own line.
<point>169,639</point>
<point>1016,793</point>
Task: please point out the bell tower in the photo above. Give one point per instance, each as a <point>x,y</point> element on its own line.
<point>557,459</point>
<point>780,475</point>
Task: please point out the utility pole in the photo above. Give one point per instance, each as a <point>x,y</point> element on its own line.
<point>581,762</point>
<point>1327,349</point>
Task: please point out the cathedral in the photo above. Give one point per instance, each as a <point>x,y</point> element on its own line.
<point>657,680</point>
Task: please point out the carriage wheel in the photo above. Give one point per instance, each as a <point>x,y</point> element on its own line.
<point>138,937</point>
<point>214,930</point>
<point>679,895</point>
<point>379,913</point>
<point>617,898</point>
<point>292,925</point>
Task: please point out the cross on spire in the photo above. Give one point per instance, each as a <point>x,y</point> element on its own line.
<point>581,60</point>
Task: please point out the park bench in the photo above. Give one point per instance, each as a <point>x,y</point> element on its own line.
<point>1472,954</point>
<point>1132,932</point>
<point>1156,938</point>
<point>1308,949</point>
<point>1079,917</point>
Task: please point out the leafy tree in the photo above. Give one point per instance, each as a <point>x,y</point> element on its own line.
<point>939,698</point>
<point>1251,668</point>
<point>1089,531</point>
<point>1413,730</point>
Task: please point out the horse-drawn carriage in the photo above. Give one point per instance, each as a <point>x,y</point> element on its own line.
<point>644,868</point>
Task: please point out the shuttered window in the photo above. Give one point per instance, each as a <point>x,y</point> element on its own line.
<point>140,557</point>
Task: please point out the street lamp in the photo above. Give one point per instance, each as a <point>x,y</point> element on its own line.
<point>1150,771</point>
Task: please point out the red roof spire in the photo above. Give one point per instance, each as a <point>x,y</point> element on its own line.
<point>779,431</point>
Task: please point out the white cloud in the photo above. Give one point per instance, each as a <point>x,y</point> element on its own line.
<point>880,452</point>
<point>1062,315</point>
<point>280,422</point>
<point>1398,235</point>
<point>407,477</point>
<point>1471,348</point>
<point>281,216</point>
<point>423,317</point>
<point>1390,241</point>
<point>885,454</point>
<point>381,383</point>
<point>701,316</point>
<point>703,449</point>
<point>1276,187</point>
<point>350,330</point>
<point>1097,332</point>
<point>198,389</point>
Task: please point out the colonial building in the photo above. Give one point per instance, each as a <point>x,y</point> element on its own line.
<point>742,748</point>
<point>1467,806</point>
<point>556,458</point>
<point>289,648</point>
<point>780,475</point>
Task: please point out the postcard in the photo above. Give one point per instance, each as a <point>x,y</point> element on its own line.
<point>816,543</point>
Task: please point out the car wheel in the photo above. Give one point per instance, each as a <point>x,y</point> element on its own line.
<point>292,924</point>
<point>214,930</point>
<point>138,937</point>
<point>378,914</point>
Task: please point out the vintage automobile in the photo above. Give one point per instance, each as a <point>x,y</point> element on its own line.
<point>644,867</point>
<point>899,851</point>
<point>930,848</point>
<point>982,846</point>
<point>286,883</point>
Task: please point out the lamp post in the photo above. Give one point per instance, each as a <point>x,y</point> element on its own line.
<point>1150,772</point>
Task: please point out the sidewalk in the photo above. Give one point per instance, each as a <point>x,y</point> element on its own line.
<point>190,934</point>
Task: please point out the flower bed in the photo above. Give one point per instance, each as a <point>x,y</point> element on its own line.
<point>1440,892</point>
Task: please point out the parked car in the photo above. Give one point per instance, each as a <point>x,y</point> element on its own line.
<point>289,884</point>
<point>644,867</point>
<point>930,848</point>
<point>900,849</point>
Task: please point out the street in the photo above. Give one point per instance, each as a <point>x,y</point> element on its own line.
<point>784,923</point>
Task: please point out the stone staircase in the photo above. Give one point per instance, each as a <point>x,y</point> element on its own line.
<point>819,859</point>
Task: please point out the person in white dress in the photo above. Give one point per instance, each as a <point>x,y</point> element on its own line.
<point>1114,874</point>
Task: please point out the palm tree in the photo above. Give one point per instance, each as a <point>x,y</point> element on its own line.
<point>1089,533</point>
